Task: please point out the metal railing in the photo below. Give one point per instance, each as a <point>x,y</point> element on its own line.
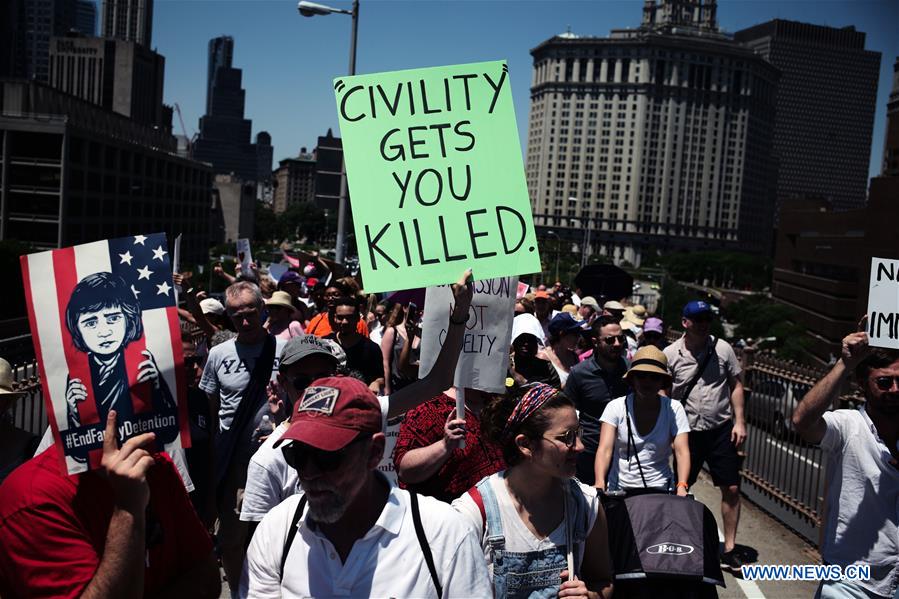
<point>781,473</point>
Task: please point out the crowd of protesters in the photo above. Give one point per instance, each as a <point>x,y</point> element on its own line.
<point>296,487</point>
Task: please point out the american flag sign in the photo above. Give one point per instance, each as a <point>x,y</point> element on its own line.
<point>105,328</point>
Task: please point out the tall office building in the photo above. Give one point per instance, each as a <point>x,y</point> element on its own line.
<point>121,76</point>
<point>656,138</point>
<point>221,54</point>
<point>38,21</point>
<point>86,17</point>
<point>224,136</point>
<point>826,97</point>
<point>129,20</point>
<point>294,181</point>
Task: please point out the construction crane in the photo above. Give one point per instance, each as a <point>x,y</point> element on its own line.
<point>190,138</point>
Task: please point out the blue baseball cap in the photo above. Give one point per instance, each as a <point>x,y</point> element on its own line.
<point>563,323</point>
<point>695,308</point>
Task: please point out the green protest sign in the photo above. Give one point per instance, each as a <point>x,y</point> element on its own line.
<point>435,175</point>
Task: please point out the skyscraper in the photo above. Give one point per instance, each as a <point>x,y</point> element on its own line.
<point>826,97</point>
<point>38,21</point>
<point>86,17</point>
<point>221,53</point>
<point>657,137</point>
<point>130,20</point>
<point>224,137</point>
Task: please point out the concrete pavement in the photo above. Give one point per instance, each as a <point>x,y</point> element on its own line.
<point>773,542</point>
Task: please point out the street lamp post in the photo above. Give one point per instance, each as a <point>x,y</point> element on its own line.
<point>311,9</point>
<point>558,243</point>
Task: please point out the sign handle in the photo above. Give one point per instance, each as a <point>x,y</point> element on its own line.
<point>460,409</point>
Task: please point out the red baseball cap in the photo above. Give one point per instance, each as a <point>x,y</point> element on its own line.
<point>541,295</point>
<point>333,412</point>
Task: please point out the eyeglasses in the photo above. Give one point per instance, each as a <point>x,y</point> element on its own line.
<point>191,361</point>
<point>569,438</point>
<point>885,383</point>
<point>296,455</point>
<point>703,317</point>
<point>611,339</point>
<point>345,317</point>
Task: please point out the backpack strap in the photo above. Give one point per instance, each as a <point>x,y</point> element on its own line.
<point>423,542</point>
<point>291,534</point>
<point>478,501</point>
<point>492,516</point>
<point>705,362</point>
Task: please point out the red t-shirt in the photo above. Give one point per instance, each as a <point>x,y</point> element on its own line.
<point>481,456</point>
<point>53,528</point>
<point>320,326</point>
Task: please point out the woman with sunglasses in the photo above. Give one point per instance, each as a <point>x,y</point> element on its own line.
<point>543,533</point>
<point>639,430</point>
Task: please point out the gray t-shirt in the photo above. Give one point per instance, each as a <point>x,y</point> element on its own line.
<point>227,373</point>
<point>708,406</point>
<point>862,499</point>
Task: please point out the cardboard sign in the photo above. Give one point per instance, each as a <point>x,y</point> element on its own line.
<point>522,290</point>
<point>244,255</point>
<point>883,303</point>
<point>106,334</point>
<point>435,175</point>
<point>485,347</point>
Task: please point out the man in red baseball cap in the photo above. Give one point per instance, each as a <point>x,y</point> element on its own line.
<point>350,532</point>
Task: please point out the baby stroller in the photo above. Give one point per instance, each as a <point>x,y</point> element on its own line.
<point>662,546</point>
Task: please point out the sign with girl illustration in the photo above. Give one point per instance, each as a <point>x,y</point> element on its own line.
<point>106,333</point>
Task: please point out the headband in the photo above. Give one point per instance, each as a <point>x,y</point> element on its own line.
<point>533,400</point>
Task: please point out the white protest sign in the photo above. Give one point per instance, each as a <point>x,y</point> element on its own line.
<point>392,434</point>
<point>883,303</point>
<point>485,346</point>
<point>176,264</point>
<point>244,256</point>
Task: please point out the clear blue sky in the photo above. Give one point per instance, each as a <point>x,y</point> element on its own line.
<point>289,61</point>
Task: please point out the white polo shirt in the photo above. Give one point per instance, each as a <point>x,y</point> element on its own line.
<point>862,500</point>
<point>386,562</point>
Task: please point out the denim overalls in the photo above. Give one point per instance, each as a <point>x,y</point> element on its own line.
<point>533,574</point>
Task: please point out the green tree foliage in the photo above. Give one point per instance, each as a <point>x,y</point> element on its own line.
<point>721,269</point>
<point>760,317</point>
<point>305,220</point>
<point>269,227</point>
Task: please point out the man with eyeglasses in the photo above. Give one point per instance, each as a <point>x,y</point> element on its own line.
<point>593,383</point>
<point>706,377</point>
<point>306,358</point>
<point>351,532</point>
<point>862,466</point>
<point>231,380</point>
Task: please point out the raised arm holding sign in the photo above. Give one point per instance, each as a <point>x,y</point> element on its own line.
<point>883,303</point>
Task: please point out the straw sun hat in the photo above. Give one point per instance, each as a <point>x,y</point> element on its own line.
<point>649,359</point>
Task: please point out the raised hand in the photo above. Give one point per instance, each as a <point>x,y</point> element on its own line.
<point>126,467</point>
<point>453,431</point>
<point>462,292</point>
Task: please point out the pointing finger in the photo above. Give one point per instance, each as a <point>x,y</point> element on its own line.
<point>109,443</point>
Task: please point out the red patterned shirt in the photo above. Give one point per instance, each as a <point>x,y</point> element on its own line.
<point>481,456</point>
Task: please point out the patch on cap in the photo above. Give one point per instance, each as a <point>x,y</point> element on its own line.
<point>319,399</point>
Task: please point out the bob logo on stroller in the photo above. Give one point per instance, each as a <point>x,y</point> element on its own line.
<point>670,549</point>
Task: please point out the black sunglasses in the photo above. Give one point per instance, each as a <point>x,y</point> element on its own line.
<point>296,455</point>
<point>610,340</point>
<point>192,361</point>
<point>885,383</point>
